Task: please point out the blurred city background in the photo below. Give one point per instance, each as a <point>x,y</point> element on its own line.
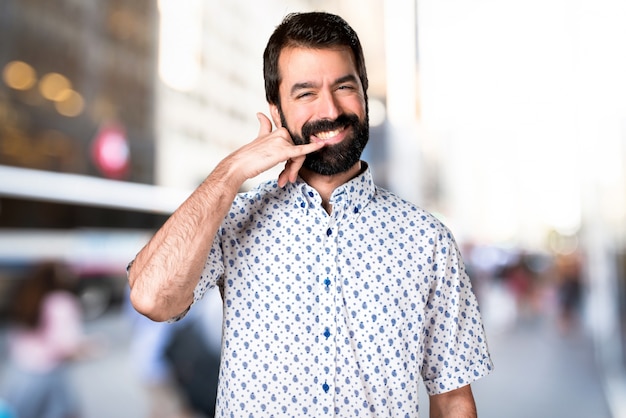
<point>505,118</point>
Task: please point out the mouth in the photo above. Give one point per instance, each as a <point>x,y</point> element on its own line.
<point>329,137</point>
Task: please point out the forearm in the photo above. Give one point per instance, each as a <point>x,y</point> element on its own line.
<point>458,403</point>
<point>166,271</point>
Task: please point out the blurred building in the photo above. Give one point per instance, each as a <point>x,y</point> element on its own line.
<point>77,103</point>
<point>77,95</point>
<point>70,70</point>
<point>524,105</point>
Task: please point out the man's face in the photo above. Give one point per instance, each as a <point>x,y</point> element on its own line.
<point>322,100</point>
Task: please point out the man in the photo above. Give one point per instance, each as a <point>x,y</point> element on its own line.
<point>338,295</point>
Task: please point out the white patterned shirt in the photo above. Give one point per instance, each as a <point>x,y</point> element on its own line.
<point>343,314</point>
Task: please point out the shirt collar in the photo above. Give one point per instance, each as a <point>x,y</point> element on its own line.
<point>347,200</point>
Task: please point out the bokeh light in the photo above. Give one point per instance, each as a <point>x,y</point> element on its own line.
<point>19,75</point>
<point>69,103</point>
<point>54,86</point>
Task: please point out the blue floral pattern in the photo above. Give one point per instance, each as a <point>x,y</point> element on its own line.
<point>342,314</point>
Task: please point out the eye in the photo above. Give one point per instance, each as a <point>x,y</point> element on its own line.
<point>346,87</point>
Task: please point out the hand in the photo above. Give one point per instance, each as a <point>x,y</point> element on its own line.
<point>271,148</point>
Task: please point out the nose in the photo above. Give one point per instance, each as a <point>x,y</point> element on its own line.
<point>328,105</point>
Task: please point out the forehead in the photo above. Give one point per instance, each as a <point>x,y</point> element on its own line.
<point>308,65</point>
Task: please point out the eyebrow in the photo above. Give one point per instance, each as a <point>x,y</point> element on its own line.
<point>306,85</point>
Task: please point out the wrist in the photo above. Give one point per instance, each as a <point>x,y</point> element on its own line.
<point>224,181</point>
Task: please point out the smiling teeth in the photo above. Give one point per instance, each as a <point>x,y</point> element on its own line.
<point>328,134</point>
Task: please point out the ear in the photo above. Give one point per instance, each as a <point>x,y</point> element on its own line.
<point>275,115</point>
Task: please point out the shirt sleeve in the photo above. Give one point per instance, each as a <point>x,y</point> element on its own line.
<point>456,351</point>
<point>213,268</point>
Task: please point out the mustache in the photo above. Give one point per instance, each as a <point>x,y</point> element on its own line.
<point>315,127</point>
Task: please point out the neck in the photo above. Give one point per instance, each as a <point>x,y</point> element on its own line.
<point>326,185</point>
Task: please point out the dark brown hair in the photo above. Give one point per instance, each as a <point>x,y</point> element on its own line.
<point>317,30</point>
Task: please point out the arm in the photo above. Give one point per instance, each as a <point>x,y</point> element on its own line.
<point>458,403</point>
<point>166,271</point>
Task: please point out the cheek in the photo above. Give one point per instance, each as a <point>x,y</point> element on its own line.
<point>358,107</point>
<point>296,119</point>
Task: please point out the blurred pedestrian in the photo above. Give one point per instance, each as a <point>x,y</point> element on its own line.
<point>521,284</point>
<point>45,334</point>
<point>569,290</point>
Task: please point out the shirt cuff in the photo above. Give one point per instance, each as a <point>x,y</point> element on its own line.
<point>454,379</point>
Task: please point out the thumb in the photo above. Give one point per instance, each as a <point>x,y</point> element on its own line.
<point>265,124</point>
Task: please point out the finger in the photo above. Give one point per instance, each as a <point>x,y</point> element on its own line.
<point>291,170</point>
<point>265,124</point>
<point>284,177</point>
<point>295,163</point>
<point>305,149</point>
<point>294,168</point>
<point>289,173</point>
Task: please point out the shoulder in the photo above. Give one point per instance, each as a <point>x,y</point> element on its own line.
<point>263,193</point>
<point>256,200</point>
<point>412,217</point>
<point>390,203</point>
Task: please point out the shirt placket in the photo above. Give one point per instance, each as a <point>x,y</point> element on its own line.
<point>326,339</point>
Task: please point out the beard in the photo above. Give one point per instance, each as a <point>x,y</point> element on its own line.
<point>337,158</point>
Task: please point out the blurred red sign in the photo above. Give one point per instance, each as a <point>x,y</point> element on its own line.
<point>110,151</point>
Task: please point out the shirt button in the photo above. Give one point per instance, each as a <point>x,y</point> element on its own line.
<point>327,282</point>
<point>327,333</point>
<point>329,232</point>
<point>325,387</point>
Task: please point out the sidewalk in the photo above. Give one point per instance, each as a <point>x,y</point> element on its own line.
<point>541,374</point>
